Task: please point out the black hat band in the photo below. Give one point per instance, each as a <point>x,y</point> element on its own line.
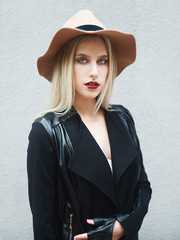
<point>89,27</point>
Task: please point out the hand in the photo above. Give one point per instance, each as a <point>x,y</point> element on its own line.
<point>84,236</point>
<point>118,230</point>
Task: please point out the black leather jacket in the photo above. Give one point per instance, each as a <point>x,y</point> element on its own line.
<point>61,183</point>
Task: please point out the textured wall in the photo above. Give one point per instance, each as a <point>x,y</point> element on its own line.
<point>149,88</point>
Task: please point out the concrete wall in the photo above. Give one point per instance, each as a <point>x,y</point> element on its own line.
<point>150,89</point>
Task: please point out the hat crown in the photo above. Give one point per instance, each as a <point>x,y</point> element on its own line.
<point>83,17</point>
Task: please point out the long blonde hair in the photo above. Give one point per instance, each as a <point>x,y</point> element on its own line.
<point>63,89</point>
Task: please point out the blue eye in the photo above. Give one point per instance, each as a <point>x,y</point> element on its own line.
<point>103,61</point>
<point>81,60</point>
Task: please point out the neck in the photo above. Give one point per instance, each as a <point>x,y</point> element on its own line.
<point>85,108</point>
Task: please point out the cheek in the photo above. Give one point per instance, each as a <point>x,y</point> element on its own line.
<point>104,72</point>
<point>79,72</point>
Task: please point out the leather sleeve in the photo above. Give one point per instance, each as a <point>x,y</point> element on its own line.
<point>132,222</point>
<point>42,184</point>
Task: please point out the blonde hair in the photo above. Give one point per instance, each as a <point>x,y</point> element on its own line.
<point>63,89</point>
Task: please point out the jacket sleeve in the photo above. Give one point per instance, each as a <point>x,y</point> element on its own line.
<point>132,222</point>
<point>42,184</point>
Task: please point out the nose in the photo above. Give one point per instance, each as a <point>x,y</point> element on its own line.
<point>93,70</point>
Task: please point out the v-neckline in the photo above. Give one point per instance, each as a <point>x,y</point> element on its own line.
<point>95,139</point>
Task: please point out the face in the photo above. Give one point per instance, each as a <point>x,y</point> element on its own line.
<point>90,68</point>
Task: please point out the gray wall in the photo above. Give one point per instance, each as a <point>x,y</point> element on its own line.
<point>149,88</point>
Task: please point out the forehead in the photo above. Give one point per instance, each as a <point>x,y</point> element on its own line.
<point>92,45</point>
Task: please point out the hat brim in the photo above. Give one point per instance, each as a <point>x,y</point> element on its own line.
<point>123,43</point>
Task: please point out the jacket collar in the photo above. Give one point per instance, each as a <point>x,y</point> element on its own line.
<point>92,164</point>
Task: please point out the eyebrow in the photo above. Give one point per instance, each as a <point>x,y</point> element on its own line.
<point>84,55</point>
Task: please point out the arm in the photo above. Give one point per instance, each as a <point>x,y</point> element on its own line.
<point>132,222</point>
<point>42,183</point>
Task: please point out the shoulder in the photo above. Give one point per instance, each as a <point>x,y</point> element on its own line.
<point>40,126</point>
<point>38,132</point>
<point>121,111</point>
<point>48,117</point>
<point>53,119</point>
<point>49,121</point>
<point>128,122</point>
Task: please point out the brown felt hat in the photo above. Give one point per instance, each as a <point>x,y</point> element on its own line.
<point>84,22</point>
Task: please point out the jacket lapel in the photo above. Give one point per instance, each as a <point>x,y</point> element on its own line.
<point>89,161</point>
<point>123,152</point>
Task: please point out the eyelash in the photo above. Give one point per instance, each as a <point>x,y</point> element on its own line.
<point>79,60</point>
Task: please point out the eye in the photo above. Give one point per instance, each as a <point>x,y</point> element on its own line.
<point>103,61</point>
<point>81,60</point>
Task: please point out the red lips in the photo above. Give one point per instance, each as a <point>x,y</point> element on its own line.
<point>92,85</point>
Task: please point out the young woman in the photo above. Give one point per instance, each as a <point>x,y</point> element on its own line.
<point>85,169</point>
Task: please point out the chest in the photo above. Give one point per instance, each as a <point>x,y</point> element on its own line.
<point>99,132</point>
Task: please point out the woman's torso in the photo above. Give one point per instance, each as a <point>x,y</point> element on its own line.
<point>94,182</point>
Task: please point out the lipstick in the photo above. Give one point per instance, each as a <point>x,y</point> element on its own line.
<point>92,85</point>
